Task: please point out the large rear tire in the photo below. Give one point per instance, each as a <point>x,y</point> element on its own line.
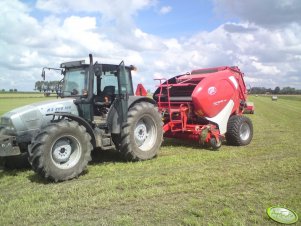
<point>61,151</point>
<point>239,130</point>
<point>142,135</point>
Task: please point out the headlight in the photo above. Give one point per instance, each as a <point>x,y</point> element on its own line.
<point>5,121</point>
<point>7,124</point>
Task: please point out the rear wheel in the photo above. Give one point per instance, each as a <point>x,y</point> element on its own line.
<point>143,134</point>
<point>61,151</point>
<point>239,130</point>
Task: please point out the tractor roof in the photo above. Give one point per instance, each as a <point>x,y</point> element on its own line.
<point>81,63</point>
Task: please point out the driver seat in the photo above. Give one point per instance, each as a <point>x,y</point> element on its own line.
<point>106,96</point>
<point>108,92</point>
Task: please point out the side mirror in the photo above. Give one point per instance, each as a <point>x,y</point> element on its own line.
<point>43,74</point>
<point>97,69</point>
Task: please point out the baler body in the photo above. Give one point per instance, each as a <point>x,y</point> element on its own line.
<point>198,105</point>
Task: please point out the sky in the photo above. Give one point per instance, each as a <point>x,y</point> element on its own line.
<point>162,38</point>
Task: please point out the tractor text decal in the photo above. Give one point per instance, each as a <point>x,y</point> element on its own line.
<point>56,109</point>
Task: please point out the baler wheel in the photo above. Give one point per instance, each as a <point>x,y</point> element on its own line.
<point>239,130</point>
<point>143,134</point>
<point>61,151</point>
<point>214,144</point>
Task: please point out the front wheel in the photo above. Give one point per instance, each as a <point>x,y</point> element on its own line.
<point>61,151</point>
<point>142,135</point>
<point>239,130</point>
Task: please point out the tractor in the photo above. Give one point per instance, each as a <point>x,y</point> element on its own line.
<point>205,105</point>
<point>97,111</point>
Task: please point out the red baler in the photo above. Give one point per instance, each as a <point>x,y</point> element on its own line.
<point>205,105</point>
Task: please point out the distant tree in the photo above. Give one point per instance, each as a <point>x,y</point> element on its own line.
<point>38,86</point>
<point>288,90</point>
<point>11,90</point>
<point>48,86</point>
<point>277,90</point>
<point>15,90</point>
<point>269,90</point>
<point>3,90</point>
<point>259,90</point>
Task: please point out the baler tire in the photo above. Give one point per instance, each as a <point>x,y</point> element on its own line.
<point>143,134</point>
<point>239,130</point>
<point>61,151</point>
<point>214,144</point>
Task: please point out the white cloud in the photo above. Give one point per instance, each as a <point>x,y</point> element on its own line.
<point>165,10</point>
<point>268,13</point>
<point>107,7</point>
<point>268,56</point>
<point>265,69</point>
<point>120,12</point>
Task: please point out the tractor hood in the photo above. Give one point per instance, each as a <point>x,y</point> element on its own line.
<point>32,117</point>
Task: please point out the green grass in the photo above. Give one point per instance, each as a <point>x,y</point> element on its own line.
<point>21,95</point>
<point>185,185</point>
<point>9,101</point>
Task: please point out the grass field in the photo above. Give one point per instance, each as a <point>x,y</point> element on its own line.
<point>10,101</point>
<point>184,185</point>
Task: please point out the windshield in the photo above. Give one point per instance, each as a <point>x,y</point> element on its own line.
<point>75,82</point>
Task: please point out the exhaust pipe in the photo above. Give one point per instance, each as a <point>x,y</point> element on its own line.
<point>91,59</point>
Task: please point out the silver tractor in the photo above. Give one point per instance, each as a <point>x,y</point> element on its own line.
<point>97,110</point>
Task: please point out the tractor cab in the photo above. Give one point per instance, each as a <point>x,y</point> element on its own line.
<point>96,86</point>
<point>105,77</point>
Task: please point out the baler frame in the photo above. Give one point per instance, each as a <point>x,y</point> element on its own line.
<point>198,105</point>
<point>180,128</point>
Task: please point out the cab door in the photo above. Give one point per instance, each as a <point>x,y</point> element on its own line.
<point>123,89</point>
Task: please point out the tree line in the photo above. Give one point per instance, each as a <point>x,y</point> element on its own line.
<point>42,86</point>
<point>48,86</point>
<point>277,90</point>
<point>10,90</point>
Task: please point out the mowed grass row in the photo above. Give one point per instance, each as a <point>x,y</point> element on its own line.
<point>184,185</point>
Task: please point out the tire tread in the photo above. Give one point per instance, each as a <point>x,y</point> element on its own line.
<point>37,148</point>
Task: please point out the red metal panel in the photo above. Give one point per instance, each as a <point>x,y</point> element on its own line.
<point>140,91</point>
<point>212,94</point>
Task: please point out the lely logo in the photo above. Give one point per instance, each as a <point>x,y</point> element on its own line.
<point>282,215</point>
<point>212,90</point>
